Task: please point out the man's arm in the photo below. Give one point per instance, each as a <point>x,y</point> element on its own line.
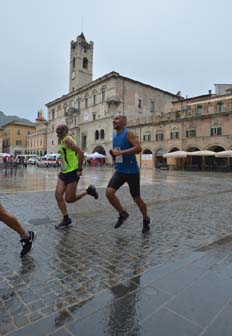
<point>70,144</point>
<point>136,149</point>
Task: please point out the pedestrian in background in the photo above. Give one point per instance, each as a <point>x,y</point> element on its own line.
<point>68,178</point>
<point>27,237</point>
<point>125,146</point>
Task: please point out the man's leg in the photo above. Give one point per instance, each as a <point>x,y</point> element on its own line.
<point>59,195</point>
<point>116,181</point>
<point>27,237</point>
<point>11,221</point>
<point>71,196</point>
<point>134,185</point>
<point>113,199</point>
<point>141,205</point>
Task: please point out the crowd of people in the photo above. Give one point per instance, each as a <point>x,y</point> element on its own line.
<point>125,147</point>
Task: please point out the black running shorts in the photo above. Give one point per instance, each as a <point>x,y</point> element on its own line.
<point>133,180</point>
<point>70,177</point>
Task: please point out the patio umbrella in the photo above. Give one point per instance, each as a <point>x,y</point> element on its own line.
<point>4,154</point>
<point>224,154</point>
<point>177,154</point>
<point>95,155</point>
<point>201,153</point>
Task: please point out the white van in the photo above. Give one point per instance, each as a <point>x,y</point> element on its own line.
<point>53,156</point>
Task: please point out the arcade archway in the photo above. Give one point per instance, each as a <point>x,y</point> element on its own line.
<point>159,160</point>
<point>146,159</point>
<point>216,163</point>
<point>99,149</point>
<point>193,162</point>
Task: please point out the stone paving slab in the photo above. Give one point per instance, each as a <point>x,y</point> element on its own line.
<point>119,282</point>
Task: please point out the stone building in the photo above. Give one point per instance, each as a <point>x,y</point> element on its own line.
<point>90,105</point>
<point>15,137</point>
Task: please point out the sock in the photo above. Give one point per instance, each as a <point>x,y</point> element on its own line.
<point>66,217</point>
<point>26,236</point>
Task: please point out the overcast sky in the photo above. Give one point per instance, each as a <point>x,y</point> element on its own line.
<point>170,44</point>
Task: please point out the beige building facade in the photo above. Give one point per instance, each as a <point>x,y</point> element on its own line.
<point>37,142</point>
<point>15,137</point>
<point>90,105</point>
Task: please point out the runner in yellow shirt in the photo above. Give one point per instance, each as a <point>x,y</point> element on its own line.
<point>68,177</point>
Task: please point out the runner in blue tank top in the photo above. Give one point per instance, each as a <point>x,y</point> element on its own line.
<point>125,146</point>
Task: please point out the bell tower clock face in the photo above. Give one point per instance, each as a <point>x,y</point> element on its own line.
<point>73,76</point>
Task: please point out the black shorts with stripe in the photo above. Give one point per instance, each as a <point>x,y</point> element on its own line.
<point>70,177</point>
<point>133,181</point>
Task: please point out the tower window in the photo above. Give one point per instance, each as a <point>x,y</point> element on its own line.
<point>96,135</point>
<point>139,103</point>
<point>102,134</point>
<point>152,106</point>
<point>73,62</point>
<point>103,95</point>
<point>86,102</point>
<point>85,63</point>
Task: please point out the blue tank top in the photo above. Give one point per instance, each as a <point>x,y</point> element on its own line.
<point>126,164</point>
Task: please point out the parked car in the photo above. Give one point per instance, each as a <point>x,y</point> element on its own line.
<point>33,160</point>
<point>44,162</point>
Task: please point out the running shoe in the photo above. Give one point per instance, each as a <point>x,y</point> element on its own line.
<point>146,226</point>
<point>121,219</point>
<point>91,190</point>
<point>27,244</point>
<point>65,223</point>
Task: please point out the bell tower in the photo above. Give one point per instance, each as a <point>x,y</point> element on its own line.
<point>81,63</point>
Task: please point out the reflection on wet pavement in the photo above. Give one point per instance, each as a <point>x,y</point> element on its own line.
<point>94,280</point>
<point>44,179</point>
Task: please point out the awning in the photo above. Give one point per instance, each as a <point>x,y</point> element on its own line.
<point>95,155</point>
<point>224,154</point>
<point>177,154</point>
<point>201,153</point>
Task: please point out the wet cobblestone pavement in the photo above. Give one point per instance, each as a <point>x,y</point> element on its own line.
<point>94,280</point>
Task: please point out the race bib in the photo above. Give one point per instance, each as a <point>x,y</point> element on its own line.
<point>118,158</point>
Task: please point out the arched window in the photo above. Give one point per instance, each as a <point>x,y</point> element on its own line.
<point>102,134</point>
<point>85,63</point>
<point>96,135</point>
